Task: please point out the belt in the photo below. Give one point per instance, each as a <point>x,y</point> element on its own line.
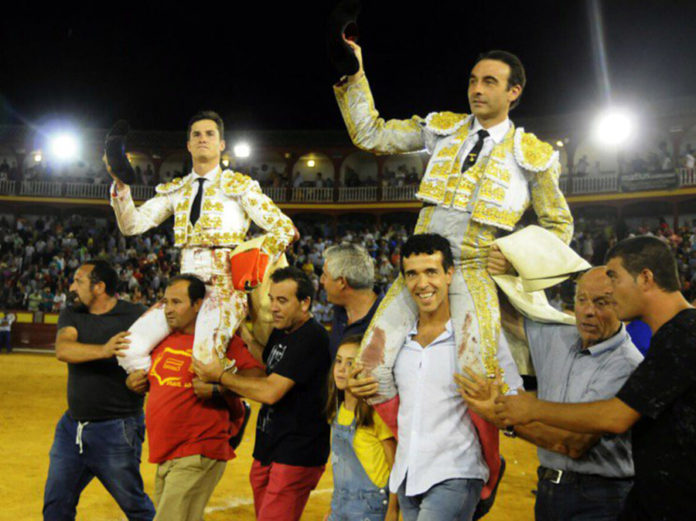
<point>566,476</point>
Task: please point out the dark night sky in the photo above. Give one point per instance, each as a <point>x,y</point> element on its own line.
<point>263,65</point>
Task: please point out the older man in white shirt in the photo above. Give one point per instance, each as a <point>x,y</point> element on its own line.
<point>439,468</point>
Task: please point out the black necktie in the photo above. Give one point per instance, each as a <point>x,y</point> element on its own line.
<point>473,155</point>
<point>196,206</point>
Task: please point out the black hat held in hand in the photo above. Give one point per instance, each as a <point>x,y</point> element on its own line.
<point>115,150</point>
<point>343,21</point>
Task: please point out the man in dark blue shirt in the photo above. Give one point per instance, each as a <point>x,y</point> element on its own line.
<point>348,278</point>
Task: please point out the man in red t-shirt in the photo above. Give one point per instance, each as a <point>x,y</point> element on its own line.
<point>188,421</point>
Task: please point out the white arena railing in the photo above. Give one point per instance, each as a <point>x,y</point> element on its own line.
<point>358,193</point>
<point>595,185</point>
<point>277,193</point>
<point>687,176</point>
<point>7,187</point>
<point>86,190</point>
<point>399,193</point>
<point>312,195</point>
<point>581,186</point>
<point>41,188</point>
<point>142,192</point>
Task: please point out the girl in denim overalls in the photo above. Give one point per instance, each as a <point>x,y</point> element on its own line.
<point>362,449</point>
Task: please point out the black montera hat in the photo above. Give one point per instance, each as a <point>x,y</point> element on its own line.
<point>343,21</point>
<point>115,150</point>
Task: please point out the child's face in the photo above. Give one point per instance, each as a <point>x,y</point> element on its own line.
<point>344,362</point>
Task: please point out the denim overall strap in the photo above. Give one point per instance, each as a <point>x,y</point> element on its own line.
<point>355,496</point>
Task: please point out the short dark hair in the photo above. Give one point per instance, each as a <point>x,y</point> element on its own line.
<point>102,271</point>
<point>639,253</point>
<point>305,288</point>
<point>206,114</point>
<point>517,73</point>
<point>427,243</point>
<point>196,287</point>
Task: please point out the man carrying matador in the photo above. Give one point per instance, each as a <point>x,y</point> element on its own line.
<point>482,175</point>
<point>212,210</point>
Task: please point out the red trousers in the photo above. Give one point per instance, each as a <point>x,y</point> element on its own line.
<point>281,491</point>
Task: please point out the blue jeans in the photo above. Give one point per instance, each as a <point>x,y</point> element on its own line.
<point>5,341</point>
<point>449,500</point>
<point>109,450</point>
<point>587,498</point>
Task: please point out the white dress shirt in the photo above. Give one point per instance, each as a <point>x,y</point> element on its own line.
<point>437,439</point>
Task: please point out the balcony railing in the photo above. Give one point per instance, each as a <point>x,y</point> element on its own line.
<point>7,187</point>
<point>312,195</point>
<point>86,190</point>
<point>595,185</point>
<point>358,193</point>
<point>399,193</point>
<point>277,193</point>
<point>581,186</point>
<point>41,188</point>
<point>142,192</point>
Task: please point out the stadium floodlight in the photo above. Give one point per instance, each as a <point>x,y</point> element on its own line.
<point>311,163</point>
<point>64,147</point>
<point>242,150</point>
<point>614,127</point>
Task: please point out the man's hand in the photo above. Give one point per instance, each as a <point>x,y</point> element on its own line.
<point>480,393</point>
<point>497,263</point>
<point>364,387</point>
<point>210,372</point>
<point>116,345</point>
<point>201,389</point>
<point>515,409</point>
<point>137,381</point>
<point>358,54</point>
<point>120,185</point>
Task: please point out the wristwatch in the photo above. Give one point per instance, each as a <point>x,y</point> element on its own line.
<point>509,431</point>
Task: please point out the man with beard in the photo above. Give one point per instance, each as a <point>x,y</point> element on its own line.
<point>102,432</point>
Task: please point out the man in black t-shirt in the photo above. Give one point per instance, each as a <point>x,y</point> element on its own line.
<point>292,434</point>
<point>658,400</point>
<point>102,432</point>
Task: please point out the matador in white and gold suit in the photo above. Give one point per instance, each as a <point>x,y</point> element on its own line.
<point>512,170</point>
<point>230,202</point>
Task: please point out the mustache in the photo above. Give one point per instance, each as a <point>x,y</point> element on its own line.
<point>77,304</point>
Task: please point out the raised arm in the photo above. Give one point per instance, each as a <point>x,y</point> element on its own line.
<point>367,129</point>
<point>132,220</point>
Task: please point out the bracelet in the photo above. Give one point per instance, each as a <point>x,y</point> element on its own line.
<point>509,431</point>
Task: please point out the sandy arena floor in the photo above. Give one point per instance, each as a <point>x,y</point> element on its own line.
<point>33,397</point>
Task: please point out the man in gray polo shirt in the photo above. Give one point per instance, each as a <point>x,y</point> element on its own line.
<point>581,476</point>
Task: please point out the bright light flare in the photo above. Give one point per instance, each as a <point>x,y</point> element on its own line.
<point>614,127</point>
<point>38,157</point>
<point>242,150</point>
<point>64,146</point>
<point>311,163</point>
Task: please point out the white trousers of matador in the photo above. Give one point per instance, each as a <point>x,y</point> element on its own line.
<point>222,312</point>
<point>474,307</point>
